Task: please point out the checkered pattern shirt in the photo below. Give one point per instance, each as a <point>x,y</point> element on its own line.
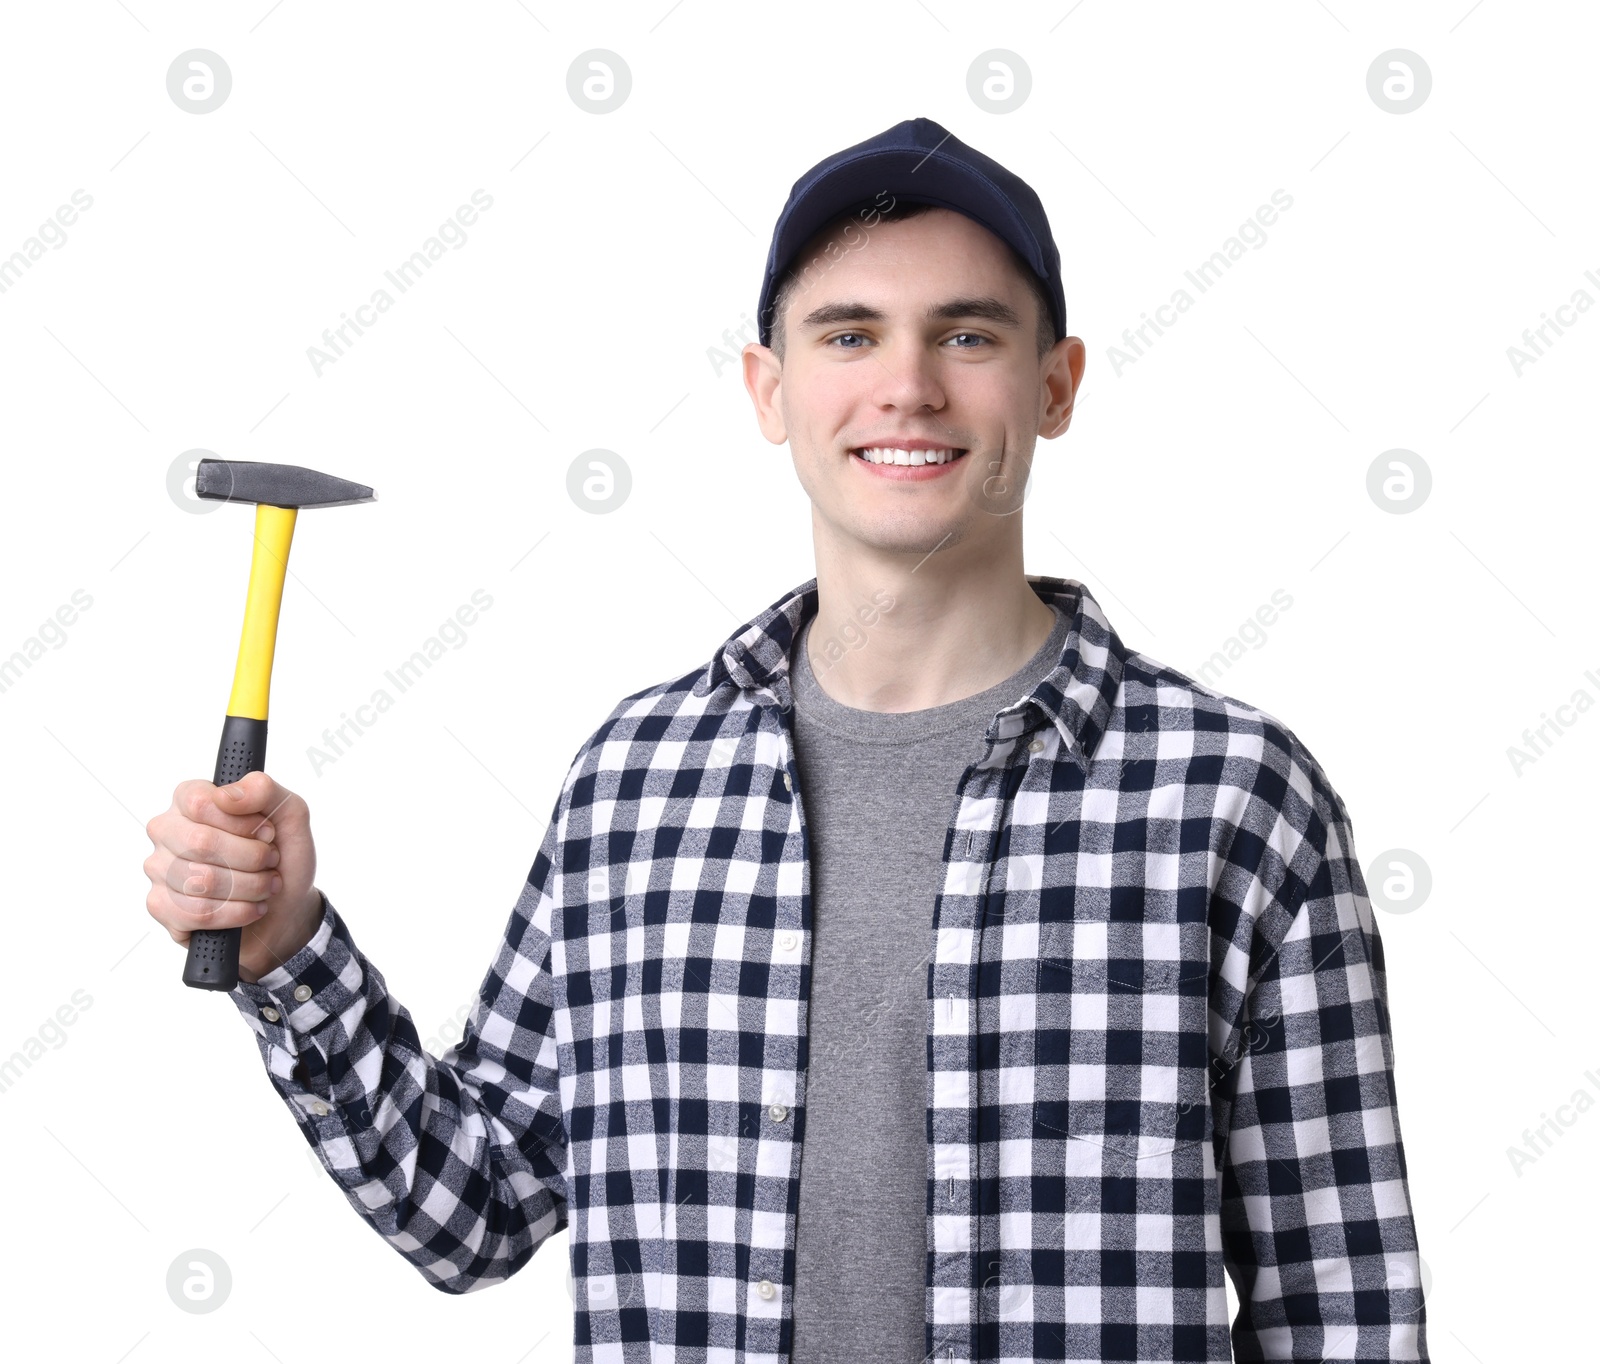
<point>1158,1041</point>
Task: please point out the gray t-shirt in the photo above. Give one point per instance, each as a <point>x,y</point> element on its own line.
<point>878,791</point>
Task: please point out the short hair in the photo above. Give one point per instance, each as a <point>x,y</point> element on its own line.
<point>898,211</point>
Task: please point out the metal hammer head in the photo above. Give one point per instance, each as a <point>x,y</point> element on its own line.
<point>277,485</point>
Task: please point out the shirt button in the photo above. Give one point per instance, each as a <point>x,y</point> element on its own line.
<point>765,1288</point>
<point>788,783</point>
<point>320,1109</point>
<point>1037,746</point>
<point>270,1014</point>
<point>778,1112</point>
<point>788,941</point>
<point>302,993</point>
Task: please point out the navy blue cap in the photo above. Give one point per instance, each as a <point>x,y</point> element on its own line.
<point>920,162</point>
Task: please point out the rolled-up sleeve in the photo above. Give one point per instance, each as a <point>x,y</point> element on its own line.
<point>457,1161</point>
<point>1317,1226</point>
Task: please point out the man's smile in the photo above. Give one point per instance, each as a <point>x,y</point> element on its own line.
<point>916,460</point>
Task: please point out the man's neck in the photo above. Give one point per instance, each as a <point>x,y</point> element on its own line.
<point>903,632</point>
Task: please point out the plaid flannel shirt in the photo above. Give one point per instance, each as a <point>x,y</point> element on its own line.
<point>1158,1038</point>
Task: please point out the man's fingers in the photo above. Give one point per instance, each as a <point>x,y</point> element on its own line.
<point>182,914</point>
<point>207,843</point>
<point>197,881</point>
<point>216,855</point>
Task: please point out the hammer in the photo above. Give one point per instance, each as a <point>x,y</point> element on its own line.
<point>278,491</point>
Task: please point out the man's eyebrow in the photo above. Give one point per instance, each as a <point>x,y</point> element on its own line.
<point>990,308</point>
<point>951,310</point>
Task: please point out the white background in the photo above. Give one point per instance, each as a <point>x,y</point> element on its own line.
<point>1227,462</point>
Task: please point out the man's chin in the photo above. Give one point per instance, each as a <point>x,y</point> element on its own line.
<point>921,539</point>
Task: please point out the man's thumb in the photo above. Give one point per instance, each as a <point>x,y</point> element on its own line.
<point>253,792</point>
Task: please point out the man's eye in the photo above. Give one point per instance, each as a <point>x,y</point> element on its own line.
<point>970,336</point>
<point>845,336</point>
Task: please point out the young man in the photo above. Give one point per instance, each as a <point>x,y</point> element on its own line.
<point>928,976</point>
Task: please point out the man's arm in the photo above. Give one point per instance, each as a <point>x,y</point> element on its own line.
<point>1317,1224</point>
<point>458,1161</point>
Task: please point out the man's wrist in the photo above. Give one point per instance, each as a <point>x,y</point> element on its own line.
<point>294,932</point>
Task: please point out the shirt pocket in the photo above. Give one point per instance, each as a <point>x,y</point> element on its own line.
<point>1144,1159</point>
<point>1135,1133</point>
<point>1137,1084</point>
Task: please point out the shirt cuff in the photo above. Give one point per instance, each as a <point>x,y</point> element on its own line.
<point>295,1012</point>
<point>317,983</point>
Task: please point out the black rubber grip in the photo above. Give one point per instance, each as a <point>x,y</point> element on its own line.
<point>213,961</point>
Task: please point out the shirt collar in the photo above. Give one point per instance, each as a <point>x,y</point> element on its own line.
<point>1077,695</point>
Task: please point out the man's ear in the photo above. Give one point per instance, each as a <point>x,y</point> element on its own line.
<point>1060,375</point>
<point>763,381</point>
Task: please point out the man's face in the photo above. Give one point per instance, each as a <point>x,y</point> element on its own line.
<point>921,333</point>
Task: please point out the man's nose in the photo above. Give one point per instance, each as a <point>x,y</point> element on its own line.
<point>907,378</point>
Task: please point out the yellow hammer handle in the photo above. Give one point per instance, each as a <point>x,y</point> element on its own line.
<point>269,562</point>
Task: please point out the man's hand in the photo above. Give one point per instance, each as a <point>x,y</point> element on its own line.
<point>237,856</point>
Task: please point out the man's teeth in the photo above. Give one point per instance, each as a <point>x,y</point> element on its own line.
<point>890,455</point>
